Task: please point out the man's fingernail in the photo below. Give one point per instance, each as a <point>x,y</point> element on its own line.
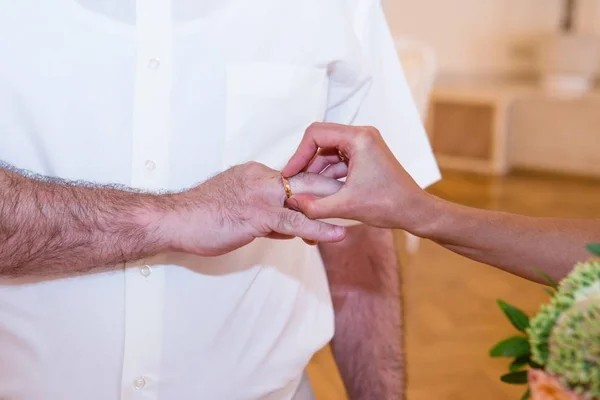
<point>293,204</point>
<point>338,231</point>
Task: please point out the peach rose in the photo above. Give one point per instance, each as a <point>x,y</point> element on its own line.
<point>547,387</point>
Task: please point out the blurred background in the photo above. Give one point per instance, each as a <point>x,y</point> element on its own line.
<point>508,91</point>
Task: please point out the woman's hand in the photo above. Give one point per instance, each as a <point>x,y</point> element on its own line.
<point>378,190</point>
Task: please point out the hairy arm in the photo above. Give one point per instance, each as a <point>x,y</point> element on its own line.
<point>515,243</point>
<point>364,280</point>
<point>52,227</point>
<point>55,227</point>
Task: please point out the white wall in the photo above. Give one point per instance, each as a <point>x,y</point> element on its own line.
<point>483,37</point>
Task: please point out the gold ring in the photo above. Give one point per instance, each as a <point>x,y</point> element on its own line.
<point>286,187</point>
<point>342,156</point>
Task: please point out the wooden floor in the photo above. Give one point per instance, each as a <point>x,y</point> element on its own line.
<point>450,314</point>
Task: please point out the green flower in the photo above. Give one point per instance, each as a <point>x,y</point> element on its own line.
<point>565,335</point>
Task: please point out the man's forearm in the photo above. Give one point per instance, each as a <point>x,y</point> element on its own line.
<point>364,281</point>
<point>515,243</point>
<point>49,227</point>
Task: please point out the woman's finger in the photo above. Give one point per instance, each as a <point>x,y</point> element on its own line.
<point>336,171</point>
<point>314,207</point>
<point>319,135</point>
<point>322,161</point>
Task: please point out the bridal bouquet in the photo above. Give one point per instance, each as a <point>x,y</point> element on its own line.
<point>558,351</point>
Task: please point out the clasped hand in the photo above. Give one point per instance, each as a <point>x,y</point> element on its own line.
<point>249,201</point>
<point>244,203</point>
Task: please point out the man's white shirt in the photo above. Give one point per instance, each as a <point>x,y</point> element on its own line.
<point>161,95</point>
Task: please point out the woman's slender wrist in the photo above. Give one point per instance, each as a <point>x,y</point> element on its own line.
<point>427,216</point>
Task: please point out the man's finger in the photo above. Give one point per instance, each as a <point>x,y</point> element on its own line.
<point>311,242</point>
<point>318,207</point>
<point>279,236</point>
<point>318,185</point>
<point>292,223</point>
<point>317,135</point>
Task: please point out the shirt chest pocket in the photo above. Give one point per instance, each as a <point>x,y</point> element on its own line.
<point>269,106</point>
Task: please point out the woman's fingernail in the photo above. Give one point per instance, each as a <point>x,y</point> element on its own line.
<point>339,231</point>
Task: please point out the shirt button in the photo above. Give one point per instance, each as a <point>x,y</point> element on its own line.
<point>139,383</point>
<point>150,165</point>
<point>153,63</point>
<point>145,271</point>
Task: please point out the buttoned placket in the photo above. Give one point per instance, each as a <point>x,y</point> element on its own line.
<point>144,281</point>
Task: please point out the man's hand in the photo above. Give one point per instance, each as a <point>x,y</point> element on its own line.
<point>378,190</point>
<point>49,226</point>
<point>244,203</point>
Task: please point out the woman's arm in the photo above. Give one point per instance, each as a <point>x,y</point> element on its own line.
<point>380,192</point>
<point>515,243</point>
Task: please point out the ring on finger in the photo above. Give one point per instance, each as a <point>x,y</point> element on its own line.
<point>286,187</point>
<point>288,194</point>
<point>342,156</point>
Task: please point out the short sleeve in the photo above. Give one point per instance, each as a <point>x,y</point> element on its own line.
<point>381,97</point>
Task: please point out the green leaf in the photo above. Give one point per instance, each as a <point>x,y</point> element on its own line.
<point>518,363</point>
<point>516,316</point>
<point>535,365</point>
<point>551,282</point>
<point>594,248</point>
<point>517,346</point>
<point>550,292</point>
<point>515,378</point>
<point>526,395</point>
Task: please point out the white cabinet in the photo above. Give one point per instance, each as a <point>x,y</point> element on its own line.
<point>491,128</point>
